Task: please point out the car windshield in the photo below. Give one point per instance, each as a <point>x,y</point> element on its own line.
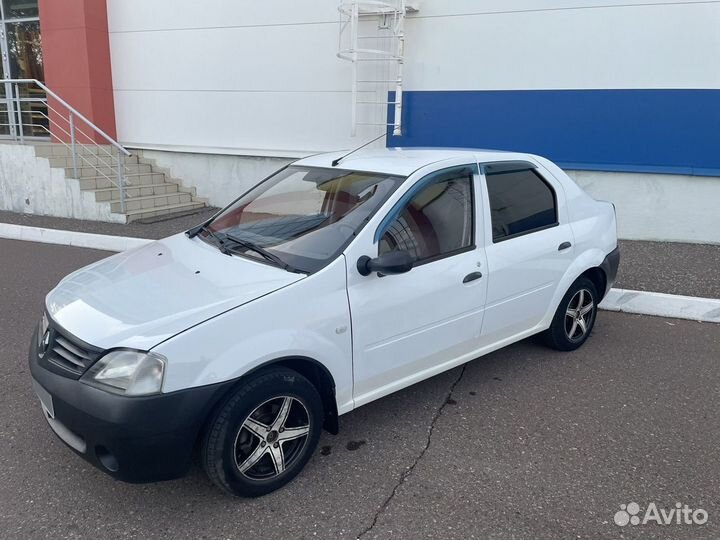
<point>301,217</point>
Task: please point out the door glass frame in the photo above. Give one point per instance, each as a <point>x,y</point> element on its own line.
<point>510,168</point>
<point>417,188</point>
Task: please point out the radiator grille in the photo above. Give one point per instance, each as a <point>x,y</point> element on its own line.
<point>69,353</point>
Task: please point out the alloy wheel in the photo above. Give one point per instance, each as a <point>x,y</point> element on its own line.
<point>272,438</point>
<point>578,315</point>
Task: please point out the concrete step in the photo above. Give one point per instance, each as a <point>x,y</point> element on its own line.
<point>60,150</point>
<point>113,193</point>
<point>131,169</point>
<point>66,162</point>
<point>134,215</point>
<point>150,202</point>
<point>138,180</point>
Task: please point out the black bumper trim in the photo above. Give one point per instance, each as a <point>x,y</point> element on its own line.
<point>610,266</point>
<point>151,438</point>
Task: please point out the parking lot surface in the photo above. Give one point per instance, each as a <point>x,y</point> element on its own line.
<point>523,443</point>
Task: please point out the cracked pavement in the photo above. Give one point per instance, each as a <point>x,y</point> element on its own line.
<point>524,443</point>
<point>448,400</point>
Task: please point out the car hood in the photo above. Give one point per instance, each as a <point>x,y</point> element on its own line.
<point>143,296</point>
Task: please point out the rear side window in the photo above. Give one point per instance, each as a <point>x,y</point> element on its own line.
<point>520,202</point>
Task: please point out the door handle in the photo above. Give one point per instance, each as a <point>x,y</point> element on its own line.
<point>564,246</point>
<point>472,277</point>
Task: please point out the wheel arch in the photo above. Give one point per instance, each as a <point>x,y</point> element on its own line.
<point>320,377</point>
<point>599,279</point>
<point>587,263</point>
<point>308,367</point>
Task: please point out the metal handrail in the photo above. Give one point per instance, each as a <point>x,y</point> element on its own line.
<point>72,109</point>
<point>14,100</point>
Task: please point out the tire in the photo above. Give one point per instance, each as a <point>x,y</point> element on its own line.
<point>569,330</point>
<point>263,434</point>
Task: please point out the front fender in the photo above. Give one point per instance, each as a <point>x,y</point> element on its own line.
<point>310,318</point>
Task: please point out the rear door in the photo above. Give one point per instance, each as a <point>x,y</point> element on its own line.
<point>529,247</point>
<point>407,327</point>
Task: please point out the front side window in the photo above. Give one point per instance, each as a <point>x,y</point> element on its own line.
<point>301,217</point>
<point>437,220</point>
<point>520,202</point>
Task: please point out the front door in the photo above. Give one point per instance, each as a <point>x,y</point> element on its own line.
<point>407,327</point>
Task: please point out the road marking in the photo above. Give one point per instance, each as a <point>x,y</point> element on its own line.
<point>70,238</point>
<point>624,300</point>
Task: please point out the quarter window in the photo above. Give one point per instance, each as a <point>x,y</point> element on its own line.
<point>438,220</point>
<point>520,202</point>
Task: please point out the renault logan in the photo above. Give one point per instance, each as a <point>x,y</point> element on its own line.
<point>330,284</point>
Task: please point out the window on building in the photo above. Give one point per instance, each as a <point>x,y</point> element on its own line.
<point>438,220</point>
<point>25,50</point>
<point>20,9</point>
<point>26,112</point>
<point>520,202</point>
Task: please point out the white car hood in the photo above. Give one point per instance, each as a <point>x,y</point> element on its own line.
<point>143,296</point>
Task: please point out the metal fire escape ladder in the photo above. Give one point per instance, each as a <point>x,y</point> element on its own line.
<point>372,38</point>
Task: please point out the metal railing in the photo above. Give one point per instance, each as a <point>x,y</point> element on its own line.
<point>31,117</point>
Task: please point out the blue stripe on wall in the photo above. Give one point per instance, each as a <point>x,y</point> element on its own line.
<point>665,131</point>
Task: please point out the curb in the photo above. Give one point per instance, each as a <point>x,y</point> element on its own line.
<point>662,305</point>
<point>70,238</point>
<point>623,300</point>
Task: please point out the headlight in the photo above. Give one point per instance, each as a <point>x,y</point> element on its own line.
<point>131,373</point>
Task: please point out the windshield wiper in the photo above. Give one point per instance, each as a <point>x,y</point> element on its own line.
<point>263,253</point>
<point>218,241</point>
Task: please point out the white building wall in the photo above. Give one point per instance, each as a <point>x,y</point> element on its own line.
<point>248,76</point>
<point>659,207</point>
<point>563,44</point>
<point>233,78</point>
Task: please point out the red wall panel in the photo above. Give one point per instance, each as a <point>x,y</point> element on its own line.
<point>76,58</point>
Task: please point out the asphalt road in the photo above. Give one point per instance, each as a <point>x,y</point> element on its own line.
<point>524,443</point>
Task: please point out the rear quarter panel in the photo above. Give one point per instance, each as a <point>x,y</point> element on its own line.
<point>594,228</point>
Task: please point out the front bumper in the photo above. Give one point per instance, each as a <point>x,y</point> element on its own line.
<point>135,439</point>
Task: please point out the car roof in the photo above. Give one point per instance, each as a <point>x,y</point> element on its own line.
<point>405,161</point>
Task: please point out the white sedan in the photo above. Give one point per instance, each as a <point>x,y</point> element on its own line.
<point>332,283</point>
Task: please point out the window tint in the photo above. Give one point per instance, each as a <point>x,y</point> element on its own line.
<point>437,221</point>
<point>520,202</point>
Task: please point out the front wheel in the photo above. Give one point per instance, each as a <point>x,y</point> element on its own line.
<point>264,433</point>
<point>574,318</point>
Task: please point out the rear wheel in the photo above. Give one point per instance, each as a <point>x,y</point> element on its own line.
<point>264,433</point>
<point>574,318</point>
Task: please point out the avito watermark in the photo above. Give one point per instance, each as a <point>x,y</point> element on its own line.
<point>680,514</point>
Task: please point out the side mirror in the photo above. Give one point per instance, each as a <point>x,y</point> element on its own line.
<point>392,262</point>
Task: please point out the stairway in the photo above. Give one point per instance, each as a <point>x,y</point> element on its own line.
<point>149,193</point>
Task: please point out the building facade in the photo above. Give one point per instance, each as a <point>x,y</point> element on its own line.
<point>625,94</point>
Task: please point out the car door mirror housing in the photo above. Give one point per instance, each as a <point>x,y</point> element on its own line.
<point>390,263</point>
